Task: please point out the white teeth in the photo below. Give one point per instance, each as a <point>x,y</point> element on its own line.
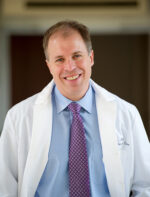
<point>72,78</point>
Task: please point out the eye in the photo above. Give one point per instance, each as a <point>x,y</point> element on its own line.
<point>76,56</point>
<point>59,60</point>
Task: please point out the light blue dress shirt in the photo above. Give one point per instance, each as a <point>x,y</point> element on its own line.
<point>54,181</point>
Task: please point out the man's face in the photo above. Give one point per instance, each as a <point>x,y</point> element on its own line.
<point>70,64</point>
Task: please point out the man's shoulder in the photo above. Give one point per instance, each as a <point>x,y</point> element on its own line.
<point>27,105</point>
<point>121,103</point>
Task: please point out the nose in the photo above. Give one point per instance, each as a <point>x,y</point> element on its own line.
<point>69,65</point>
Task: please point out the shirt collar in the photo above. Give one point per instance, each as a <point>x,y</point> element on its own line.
<point>62,102</point>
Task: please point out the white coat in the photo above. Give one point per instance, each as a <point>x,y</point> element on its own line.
<point>25,142</point>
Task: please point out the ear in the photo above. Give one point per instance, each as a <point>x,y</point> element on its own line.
<point>92,57</point>
<point>48,65</point>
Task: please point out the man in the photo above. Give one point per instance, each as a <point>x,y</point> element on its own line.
<point>36,142</point>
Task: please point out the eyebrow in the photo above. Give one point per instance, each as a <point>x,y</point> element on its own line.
<point>61,56</point>
<point>77,52</point>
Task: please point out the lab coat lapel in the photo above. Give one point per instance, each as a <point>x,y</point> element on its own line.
<point>40,143</point>
<point>106,110</point>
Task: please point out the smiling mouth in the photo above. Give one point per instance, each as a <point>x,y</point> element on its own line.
<point>73,77</point>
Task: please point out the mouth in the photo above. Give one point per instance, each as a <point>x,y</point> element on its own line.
<point>71,78</point>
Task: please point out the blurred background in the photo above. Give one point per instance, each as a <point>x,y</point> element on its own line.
<point>120,31</point>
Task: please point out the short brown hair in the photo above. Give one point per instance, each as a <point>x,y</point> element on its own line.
<point>67,25</point>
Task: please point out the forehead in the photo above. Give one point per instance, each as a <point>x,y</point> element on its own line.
<point>65,32</point>
<point>65,41</point>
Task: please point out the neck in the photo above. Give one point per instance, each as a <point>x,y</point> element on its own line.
<point>76,96</point>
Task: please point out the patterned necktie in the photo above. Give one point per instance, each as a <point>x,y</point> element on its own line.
<point>79,183</point>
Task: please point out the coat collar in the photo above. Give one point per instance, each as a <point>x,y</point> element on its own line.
<point>46,92</point>
<point>102,92</point>
<point>41,135</point>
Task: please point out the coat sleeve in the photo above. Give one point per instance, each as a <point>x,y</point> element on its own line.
<point>141,180</point>
<point>8,160</point>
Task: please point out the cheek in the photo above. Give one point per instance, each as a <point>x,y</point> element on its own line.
<point>86,66</point>
<point>82,64</point>
<point>56,73</point>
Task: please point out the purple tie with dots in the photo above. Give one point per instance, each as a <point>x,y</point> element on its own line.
<point>79,182</point>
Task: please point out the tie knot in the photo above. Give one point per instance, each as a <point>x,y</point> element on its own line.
<point>74,107</point>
